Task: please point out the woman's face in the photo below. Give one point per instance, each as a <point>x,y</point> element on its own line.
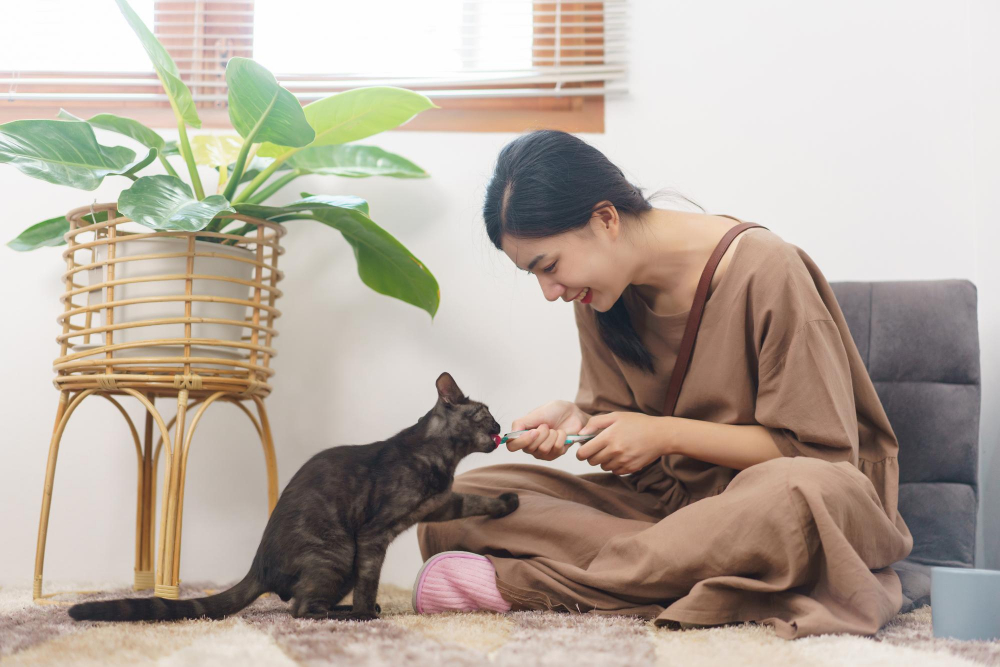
<point>584,264</point>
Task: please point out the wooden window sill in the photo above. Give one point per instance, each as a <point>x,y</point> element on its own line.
<point>571,114</point>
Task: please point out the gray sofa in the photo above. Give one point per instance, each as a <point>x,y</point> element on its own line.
<point>920,343</point>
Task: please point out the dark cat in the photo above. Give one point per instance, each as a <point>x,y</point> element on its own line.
<point>334,521</point>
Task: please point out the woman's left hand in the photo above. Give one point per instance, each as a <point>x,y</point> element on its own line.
<point>628,443</point>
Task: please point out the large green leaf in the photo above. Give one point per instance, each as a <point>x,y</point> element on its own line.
<point>338,201</point>
<point>178,93</point>
<point>307,203</point>
<point>257,101</point>
<point>215,150</point>
<point>45,233</point>
<point>384,264</point>
<point>49,232</point>
<point>130,128</point>
<point>62,152</point>
<point>167,203</point>
<point>356,114</point>
<point>354,161</point>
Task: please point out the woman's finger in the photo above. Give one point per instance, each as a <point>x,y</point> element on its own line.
<point>522,441</point>
<point>602,457</point>
<point>556,453</point>
<point>615,465</point>
<point>591,447</point>
<point>559,446</point>
<point>598,422</point>
<point>546,445</point>
<point>544,437</point>
<point>556,438</point>
<point>623,467</point>
<point>542,432</point>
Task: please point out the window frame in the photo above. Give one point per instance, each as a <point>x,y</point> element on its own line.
<point>571,113</point>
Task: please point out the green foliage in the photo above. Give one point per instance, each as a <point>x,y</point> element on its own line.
<point>276,134</point>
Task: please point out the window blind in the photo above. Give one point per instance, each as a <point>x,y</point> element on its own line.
<point>83,52</point>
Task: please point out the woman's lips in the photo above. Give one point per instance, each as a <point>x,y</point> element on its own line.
<point>589,297</point>
<point>583,296</point>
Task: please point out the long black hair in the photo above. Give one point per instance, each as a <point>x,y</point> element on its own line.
<point>548,182</point>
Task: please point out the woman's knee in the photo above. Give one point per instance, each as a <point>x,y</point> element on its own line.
<point>487,480</point>
<point>506,477</point>
<point>837,479</point>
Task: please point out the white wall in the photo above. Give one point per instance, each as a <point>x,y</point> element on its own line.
<point>865,133</point>
<point>984,52</point>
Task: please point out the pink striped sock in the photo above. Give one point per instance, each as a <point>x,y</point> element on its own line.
<point>457,581</point>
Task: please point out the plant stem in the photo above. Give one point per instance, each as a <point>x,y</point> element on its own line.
<point>274,186</point>
<point>199,192</point>
<point>241,159</point>
<point>166,165</point>
<point>262,176</point>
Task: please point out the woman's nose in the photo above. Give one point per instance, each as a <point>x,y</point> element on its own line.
<point>551,289</point>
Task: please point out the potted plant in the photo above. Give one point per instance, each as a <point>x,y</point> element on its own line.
<point>279,140</point>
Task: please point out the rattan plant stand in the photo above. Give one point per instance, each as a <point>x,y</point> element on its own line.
<point>169,317</point>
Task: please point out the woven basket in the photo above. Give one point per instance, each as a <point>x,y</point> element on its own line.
<point>167,310</point>
<point>185,315</point>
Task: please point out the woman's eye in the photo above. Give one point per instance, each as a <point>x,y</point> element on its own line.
<point>550,268</point>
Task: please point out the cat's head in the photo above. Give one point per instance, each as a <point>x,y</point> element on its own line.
<point>464,420</point>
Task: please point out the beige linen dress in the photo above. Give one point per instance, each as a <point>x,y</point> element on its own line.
<point>803,542</point>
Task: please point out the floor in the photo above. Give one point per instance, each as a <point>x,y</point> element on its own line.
<point>265,634</point>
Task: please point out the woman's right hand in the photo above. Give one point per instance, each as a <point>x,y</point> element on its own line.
<point>548,426</point>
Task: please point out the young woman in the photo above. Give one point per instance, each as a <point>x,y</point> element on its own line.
<point>770,493</point>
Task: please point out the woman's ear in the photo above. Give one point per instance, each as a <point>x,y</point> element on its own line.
<point>605,219</point>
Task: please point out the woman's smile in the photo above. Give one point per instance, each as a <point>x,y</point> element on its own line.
<point>583,296</point>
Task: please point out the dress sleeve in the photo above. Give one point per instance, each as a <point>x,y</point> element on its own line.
<point>805,397</point>
<point>603,388</point>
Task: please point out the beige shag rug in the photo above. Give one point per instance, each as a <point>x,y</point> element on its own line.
<point>265,634</point>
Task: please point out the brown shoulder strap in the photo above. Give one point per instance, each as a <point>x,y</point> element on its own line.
<point>694,317</point>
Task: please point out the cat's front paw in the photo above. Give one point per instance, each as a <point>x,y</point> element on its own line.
<point>351,615</point>
<point>510,503</point>
<point>362,616</point>
<point>347,607</point>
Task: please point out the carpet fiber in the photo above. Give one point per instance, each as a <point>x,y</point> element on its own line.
<point>265,634</point>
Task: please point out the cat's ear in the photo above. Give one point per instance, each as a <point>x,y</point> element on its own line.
<point>448,390</point>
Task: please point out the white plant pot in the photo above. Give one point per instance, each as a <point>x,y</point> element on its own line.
<point>211,266</point>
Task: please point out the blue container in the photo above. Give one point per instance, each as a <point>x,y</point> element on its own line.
<point>965,603</point>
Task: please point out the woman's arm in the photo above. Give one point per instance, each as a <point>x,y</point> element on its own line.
<point>631,440</point>
<point>732,446</point>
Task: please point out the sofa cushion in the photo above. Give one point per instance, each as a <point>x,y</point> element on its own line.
<point>920,343</point>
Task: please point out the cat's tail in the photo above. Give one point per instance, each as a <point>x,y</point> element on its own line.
<point>159,609</point>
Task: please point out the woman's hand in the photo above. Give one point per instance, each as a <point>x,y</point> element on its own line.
<point>549,425</point>
<point>628,443</point>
